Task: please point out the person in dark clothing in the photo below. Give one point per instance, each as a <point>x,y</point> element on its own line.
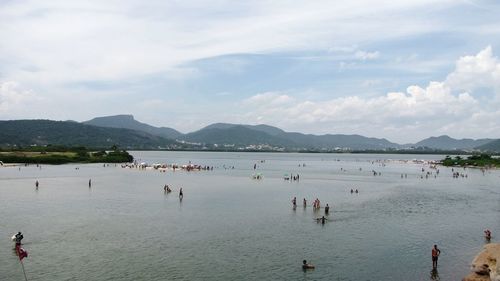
<point>18,238</point>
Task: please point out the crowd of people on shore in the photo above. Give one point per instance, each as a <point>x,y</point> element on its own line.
<point>164,167</point>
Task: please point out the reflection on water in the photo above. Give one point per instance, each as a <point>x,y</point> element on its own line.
<point>233,227</point>
<point>435,275</point>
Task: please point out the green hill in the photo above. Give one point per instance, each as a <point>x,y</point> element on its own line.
<point>447,143</point>
<point>223,133</point>
<point>493,146</point>
<point>238,135</point>
<point>67,133</point>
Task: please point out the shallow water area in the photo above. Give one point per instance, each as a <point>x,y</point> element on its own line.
<point>232,227</point>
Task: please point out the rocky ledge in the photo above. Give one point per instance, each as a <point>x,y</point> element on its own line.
<point>484,266</point>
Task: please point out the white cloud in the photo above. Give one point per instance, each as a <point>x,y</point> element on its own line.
<point>13,97</point>
<point>481,70</point>
<point>363,55</point>
<point>67,41</point>
<point>438,108</point>
<point>269,99</point>
<point>434,101</point>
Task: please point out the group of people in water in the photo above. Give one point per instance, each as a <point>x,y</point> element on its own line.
<point>316,206</point>
<point>167,189</point>
<point>292,177</point>
<point>457,175</point>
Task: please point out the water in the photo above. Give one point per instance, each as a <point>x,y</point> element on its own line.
<point>231,227</point>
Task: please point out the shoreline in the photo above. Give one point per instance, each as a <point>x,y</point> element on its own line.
<point>486,265</point>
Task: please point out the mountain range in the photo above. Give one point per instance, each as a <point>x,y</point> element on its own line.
<point>445,142</point>
<point>45,132</point>
<point>240,135</point>
<point>125,131</point>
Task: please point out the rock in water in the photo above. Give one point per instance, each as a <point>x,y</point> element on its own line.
<point>485,266</point>
<point>474,277</point>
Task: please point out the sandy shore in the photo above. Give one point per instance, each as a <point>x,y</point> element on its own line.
<point>485,266</point>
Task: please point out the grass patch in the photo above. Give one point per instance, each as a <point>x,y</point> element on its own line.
<point>79,155</point>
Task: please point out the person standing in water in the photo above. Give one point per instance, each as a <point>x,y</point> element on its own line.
<point>435,254</point>
<point>322,220</point>
<point>294,202</point>
<point>90,182</point>
<point>181,194</point>
<point>327,209</point>
<point>305,202</point>
<point>487,234</point>
<point>36,184</point>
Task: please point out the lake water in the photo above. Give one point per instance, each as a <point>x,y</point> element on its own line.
<point>232,227</point>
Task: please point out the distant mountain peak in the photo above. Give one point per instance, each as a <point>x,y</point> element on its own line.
<point>118,116</point>
<point>127,121</point>
<point>442,137</point>
<point>274,131</point>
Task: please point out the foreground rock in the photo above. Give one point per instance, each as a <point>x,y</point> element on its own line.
<point>484,266</point>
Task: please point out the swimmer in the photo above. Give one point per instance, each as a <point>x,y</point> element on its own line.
<point>18,238</point>
<point>322,220</point>
<point>306,265</point>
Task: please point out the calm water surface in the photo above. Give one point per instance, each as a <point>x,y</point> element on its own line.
<point>231,227</point>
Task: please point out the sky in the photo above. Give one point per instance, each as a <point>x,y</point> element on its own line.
<point>400,70</point>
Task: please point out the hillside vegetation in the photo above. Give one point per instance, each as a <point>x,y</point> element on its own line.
<point>63,155</point>
<point>480,160</point>
<point>23,133</point>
